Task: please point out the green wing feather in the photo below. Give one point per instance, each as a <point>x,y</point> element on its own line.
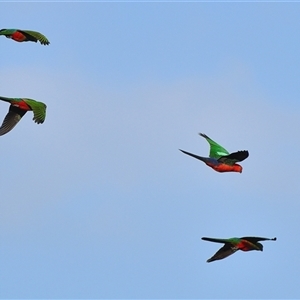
<point>39,110</point>
<point>216,151</point>
<point>40,37</point>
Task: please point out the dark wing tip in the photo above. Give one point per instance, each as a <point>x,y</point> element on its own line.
<point>246,153</point>
<point>38,121</point>
<point>238,156</point>
<point>203,135</point>
<point>243,154</point>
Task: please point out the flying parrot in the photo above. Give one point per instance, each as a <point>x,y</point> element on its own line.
<point>18,108</point>
<point>24,36</point>
<point>232,245</point>
<point>219,158</point>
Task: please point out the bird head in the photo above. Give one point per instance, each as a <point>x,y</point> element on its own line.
<point>259,246</point>
<point>7,32</point>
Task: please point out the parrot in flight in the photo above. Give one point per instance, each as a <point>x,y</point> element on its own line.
<point>232,245</point>
<point>219,158</point>
<point>18,108</point>
<point>24,36</point>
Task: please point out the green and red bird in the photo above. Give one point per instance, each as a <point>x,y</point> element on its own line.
<point>24,36</point>
<point>18,108</point>
<point>232,245</point>
<point>219,158</point>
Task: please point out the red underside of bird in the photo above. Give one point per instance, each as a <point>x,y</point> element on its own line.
<point>219,167</point>
<point>21,104</point>
<point>244,246</point>
<point>18,36</point>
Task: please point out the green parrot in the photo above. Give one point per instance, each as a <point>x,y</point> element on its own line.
<point>24,36</point>
<point>18,108</point>
<point>232,245</point>
<point>219,158</point>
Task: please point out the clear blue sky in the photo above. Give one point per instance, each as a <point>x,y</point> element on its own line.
<point>98,202</point>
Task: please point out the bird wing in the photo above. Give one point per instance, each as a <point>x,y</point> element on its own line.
<point>36,35</point>
<point>13,116</point>
<point>39,110</point>
<point>234,157</point>
<point>216,150</point>
<point>255,239</point>
<point>223,252</point>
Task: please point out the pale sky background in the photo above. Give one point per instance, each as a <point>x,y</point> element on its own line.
<point>98,202</point>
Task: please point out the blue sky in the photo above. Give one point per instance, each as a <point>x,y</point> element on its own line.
<point>98,202</point>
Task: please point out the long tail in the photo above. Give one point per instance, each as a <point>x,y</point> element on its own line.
<point>215,240</point>
<point>204,135</point>
<point>5,99</point>
<point>204,159</point>
<point>272,239</point>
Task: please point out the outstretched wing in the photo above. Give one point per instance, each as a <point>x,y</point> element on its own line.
<point>35,36</point>
<point>13,116</point>
<point>216,150</point>
<point>223,252</point>
<point>234,157</point>
<point>255,239</point>
<point>39,110</point>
